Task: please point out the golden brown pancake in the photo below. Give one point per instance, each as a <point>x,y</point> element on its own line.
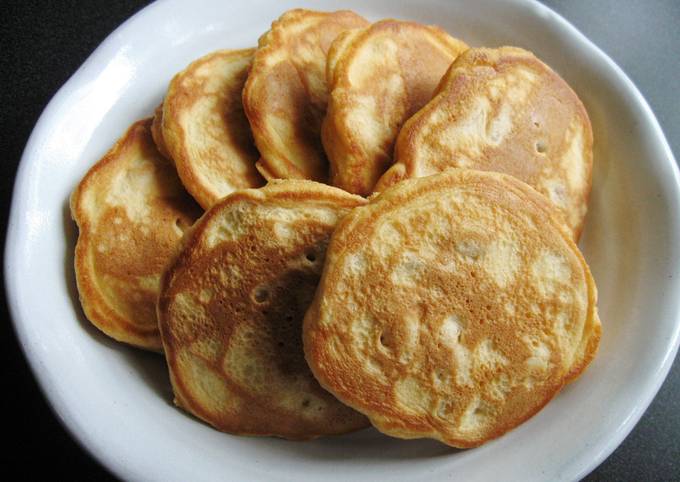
<point>454,306</point>
<point>285,96</point>
<point>231,309</point>
<point>132,211</point>
<point>204,129</point>
<point>503,110</point>
<point>378,77</point>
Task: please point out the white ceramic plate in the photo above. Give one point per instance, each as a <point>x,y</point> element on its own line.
<point>116,401</point>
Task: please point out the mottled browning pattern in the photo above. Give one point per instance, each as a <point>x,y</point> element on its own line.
<point>132,211</point>
<point>204,129</point>
<point>231,311</point>
<point>286,94</point>
<point>503,110</point>
<point>378,77</point>
<point>453,306</point>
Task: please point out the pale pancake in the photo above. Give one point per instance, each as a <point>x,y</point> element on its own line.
<point>132,211</point>
<point>503,110</point>
<point>378,77</point>
<point>453,306</point>
<point>285,96</point>
<point>231,309</point>
<point>204,129</point>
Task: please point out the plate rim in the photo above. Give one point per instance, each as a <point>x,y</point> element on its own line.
<point>47,383</point>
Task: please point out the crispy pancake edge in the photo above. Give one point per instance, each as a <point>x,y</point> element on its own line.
<point>157,132</point>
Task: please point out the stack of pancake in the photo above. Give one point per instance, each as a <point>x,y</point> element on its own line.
<point>350,224</point>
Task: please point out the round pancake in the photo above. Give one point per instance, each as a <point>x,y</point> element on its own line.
<point>132,211</point>
<point>231,309</point>
<point>285,95</point>
<point>503,110</point>
<point>204,129</point>
<point>454,306</point>
<point>378,77</point>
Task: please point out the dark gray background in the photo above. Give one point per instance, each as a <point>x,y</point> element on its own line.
<point>43,43</point>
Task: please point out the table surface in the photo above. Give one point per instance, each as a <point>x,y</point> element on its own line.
<point>45,42</point>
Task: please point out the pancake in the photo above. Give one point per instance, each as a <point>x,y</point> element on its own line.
<point>231,309</point>
<point>204,129</point>
<point>132,211</point>
<point>285,95</point>
<point>503,110</point>
<point>378,77</point>
<point>454,307</point>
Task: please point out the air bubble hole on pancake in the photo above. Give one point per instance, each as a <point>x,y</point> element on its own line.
<point>261,294</point>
